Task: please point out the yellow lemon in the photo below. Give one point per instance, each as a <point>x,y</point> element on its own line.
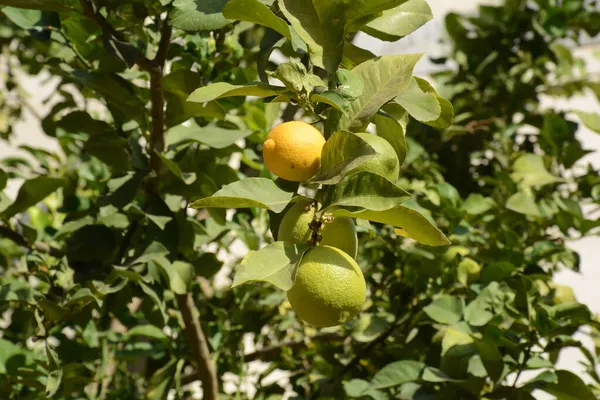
<point>330,288</point>
<point>337,232</point>
<point>292,150</point>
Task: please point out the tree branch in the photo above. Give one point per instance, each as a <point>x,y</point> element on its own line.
<point>21,241</point>
<point>201,358</point>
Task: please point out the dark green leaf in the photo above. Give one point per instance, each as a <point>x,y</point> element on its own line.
<point>198,15</point>
<point>32,192</point>
<point>249,192</point>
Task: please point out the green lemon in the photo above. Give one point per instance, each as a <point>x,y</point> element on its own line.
<point>385,163</point>
<point>338,232</point>
<point>330,288</point>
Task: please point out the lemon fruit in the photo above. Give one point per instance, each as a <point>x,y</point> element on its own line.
<point>292,150</point>
<point>338,232</point>
<point>562,294</point>
<point>330,288</point>
<point>385,163</point>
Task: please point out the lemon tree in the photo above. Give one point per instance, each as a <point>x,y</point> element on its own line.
<point>238,199</point>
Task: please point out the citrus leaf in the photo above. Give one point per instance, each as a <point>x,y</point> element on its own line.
<point>249,192</point>
<point>274,264</point>
<point>446,309</point>
<point>332,98</point>
<point>149,331</point>
<point>397,373</point>
<point>32,192</point>
<point>365,190</point>
<point>321,26</point>
<point>389,129</point>
<point>476,204</point>
<point>220,90</point>
<point>569,387</point>
<point>491,358</point>
<point>420,105</point>
<point>198,15</point>
<point>343,152</point>
<point>523,203</point>
<point>529,170</point>
<point>384,78</point>
<point>413,224</point>
<point>256,12</point>
<point>447,110</point>
<point>47,5</point>
<point>590,120</point>
<point>55,371</point>
<point>160,383</point>
<point>210,135</point>
<point>400,21</point>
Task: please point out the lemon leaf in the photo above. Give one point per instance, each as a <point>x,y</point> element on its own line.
<point>413,224</point>
<point>275,264</point>
<point>220,90</point>
<point>249,192</point>
<point>366,190</point>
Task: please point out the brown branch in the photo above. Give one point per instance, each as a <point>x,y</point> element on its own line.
<point>270,352</point>
<point>21,241</point>
<point>201,358</point>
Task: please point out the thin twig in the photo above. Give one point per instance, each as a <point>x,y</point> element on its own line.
<point>201,354</point>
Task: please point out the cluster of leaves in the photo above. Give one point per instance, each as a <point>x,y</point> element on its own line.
<point>106,222</point>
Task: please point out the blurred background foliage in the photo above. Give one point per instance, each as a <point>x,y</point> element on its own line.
<point>98,252</point>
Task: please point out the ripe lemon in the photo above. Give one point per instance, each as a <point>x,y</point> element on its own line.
<point>385,163</point>
<point>330,287</point>
<point>339,232</point>
<point>292,150</point>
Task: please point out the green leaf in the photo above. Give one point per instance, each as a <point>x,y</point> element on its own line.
<point>476,204</point>
<point>256,12</point>
<point>397,373</point>
<point>321,26</point>
<point>156,299</point>
<point>111,150</point>
<point>445,309</point>
<point>23,18</point>
<point>590,120</point>
<point>523,203</point>
<point>491,358</point>
<point>249,192</point>
<point>354,55</point>
<point>356,387</point>
<point>420,105</point>
<point>47,5</point>
<point>162,380</point>
<point>198,15</point>
<point>365,190</point>
<point>275,264</point>
<point>349,84</point>
<point>384,78</point>
<point>490,302</point>
<point>400,21</point>
<point>220,90</point>
<point>389,129</point>
<point>3,179</point>
<point>55,372</point>
<point>457,335</point>
<point>447,110</point>
<point>32,192</point>
<point>149,331</point>
<point>210,135</point>
<point>411,222</point>
<point>342,153</point>
<point>332,98</point>
<point>569,387</point>
<point>368,327</point>
<point>529,170</point>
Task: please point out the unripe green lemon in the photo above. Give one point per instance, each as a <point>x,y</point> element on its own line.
<point>385,163</point>
<point>339,232</point>
<point>330,288</point>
